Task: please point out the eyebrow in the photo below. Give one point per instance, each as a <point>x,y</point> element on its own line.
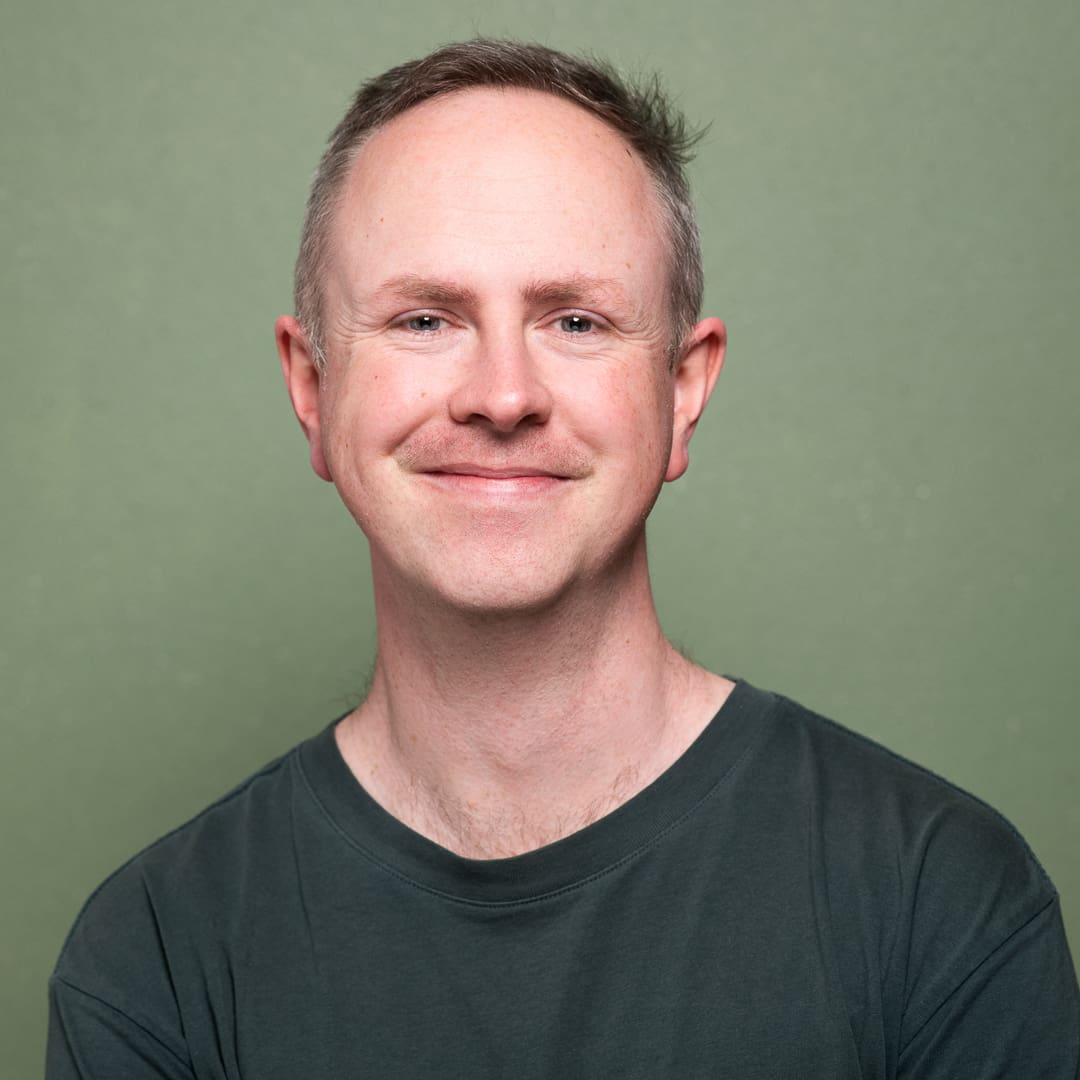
<point>424,290</point>
<point>573,290</point>
<point>570,290</point>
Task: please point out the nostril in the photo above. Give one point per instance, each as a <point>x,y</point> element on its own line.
<point>504,396</point>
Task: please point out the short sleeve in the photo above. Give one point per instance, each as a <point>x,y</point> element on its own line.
<point>1015,1015</point>
<point>113,1012</point>
<point>990,987</point>
<point>89,1038</point>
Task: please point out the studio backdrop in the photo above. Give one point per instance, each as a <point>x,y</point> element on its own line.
<point>882,512</point>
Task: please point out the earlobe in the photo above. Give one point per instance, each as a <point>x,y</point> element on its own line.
<point>695,376</point>
<point>303,380</point>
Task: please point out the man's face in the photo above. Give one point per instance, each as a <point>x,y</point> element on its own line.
<point>497,410</point>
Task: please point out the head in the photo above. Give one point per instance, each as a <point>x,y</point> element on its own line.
<point>490,273</point>
<point>640,114</point>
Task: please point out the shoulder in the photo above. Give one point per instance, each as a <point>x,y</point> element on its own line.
<point>923,882</point>
<point>873,807</point>
<point>875,799</point>
<point>180,887</point>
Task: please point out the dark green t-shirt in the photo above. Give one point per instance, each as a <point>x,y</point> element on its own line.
<point>787,900</point>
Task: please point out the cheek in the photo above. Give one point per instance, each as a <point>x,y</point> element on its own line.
<point>636,421</point>
<point>650,402</point>
<point>372,413</point>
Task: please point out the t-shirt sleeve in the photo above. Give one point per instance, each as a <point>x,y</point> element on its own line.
<point>991,990</point>
<point>89,1038</point>
<point>113,1012</point>
<point>1015,1015</point>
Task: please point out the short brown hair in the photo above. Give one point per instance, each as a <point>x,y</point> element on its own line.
<point>638,112</point>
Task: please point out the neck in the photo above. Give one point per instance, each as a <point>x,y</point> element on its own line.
<point>496,734</point>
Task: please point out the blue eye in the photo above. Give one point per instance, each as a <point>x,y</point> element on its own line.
<point>425,324</point>
<point>575,324</point>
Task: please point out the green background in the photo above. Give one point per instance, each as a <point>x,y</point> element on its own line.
<point>881,517</point>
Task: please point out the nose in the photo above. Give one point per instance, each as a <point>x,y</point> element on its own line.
<point>501,385</point>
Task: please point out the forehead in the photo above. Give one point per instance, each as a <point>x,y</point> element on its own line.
<point>494,174</point>
<point>461,125</point>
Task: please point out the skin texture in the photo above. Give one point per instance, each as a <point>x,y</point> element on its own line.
<point>498,415</point>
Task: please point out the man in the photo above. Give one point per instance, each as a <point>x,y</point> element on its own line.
<point>546,845</point>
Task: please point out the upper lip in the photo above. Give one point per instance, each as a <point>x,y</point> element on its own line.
<point>503,472</point>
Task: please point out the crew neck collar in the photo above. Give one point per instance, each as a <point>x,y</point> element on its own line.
<point>565,864</point>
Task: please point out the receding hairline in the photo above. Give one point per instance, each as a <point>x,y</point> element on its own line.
<point>567,286</point>
<point>636,108</point>
<point>650,188</point>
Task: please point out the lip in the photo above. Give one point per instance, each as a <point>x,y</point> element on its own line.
<point>483,481</point>
<point>485,472</point>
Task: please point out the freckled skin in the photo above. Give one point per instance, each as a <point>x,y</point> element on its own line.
<point>493,194</point>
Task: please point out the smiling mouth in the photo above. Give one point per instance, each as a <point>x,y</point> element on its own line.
<point>483,472</point>
<point>480,480</point>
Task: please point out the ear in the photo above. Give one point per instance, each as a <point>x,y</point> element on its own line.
<point>303,379</point>
<point>695,376</point>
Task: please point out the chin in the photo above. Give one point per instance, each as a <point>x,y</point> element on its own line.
<point>489,586</point>
<point>502,575</point>
<point>502,595</point>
